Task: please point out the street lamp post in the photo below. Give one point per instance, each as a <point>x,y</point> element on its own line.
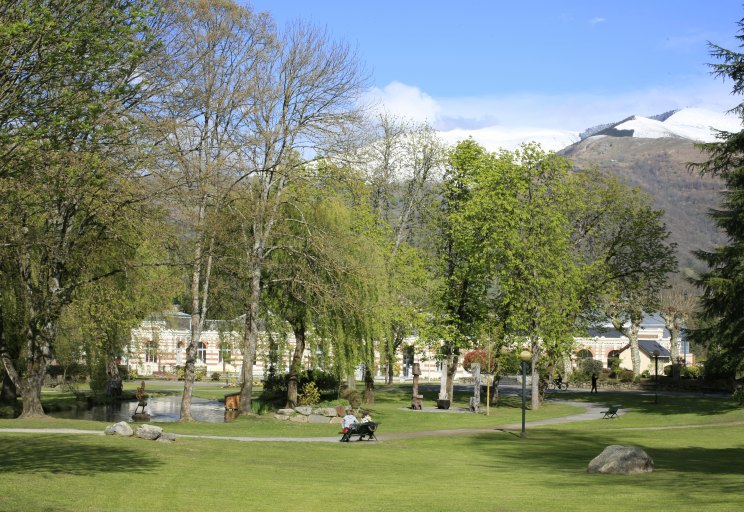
<point>525,356</point>
<point>656,376</point>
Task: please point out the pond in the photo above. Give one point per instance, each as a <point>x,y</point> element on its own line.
<point>160,408</point>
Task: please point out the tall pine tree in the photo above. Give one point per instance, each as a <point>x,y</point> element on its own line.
<point>720,318</point>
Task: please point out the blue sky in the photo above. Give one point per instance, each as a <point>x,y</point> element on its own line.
<point>530,64</point>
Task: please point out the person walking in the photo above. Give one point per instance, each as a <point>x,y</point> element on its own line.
<point>594,383</point>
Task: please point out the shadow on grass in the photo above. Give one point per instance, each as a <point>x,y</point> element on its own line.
<point>644,402</point>
<point>558,451</point>
<point>74,456</point>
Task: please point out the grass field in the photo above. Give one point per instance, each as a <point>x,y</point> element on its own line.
<point>696,443</point>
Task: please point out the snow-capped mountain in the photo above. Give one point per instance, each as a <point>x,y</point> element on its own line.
<point>494,138</point>
<point>695,124</point>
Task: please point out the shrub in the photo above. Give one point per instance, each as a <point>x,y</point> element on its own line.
<point>323,380</point>
<point>353,396</point>
<point>691,372</point>
<point>310,394</point>
<point>590,366</point>
<point>200,374</point>
<point>739,396</point>
<point>215,376</point>
<point>626,375</point>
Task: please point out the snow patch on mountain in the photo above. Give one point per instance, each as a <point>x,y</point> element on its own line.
<point>695,124</point>
<point>494,138</point>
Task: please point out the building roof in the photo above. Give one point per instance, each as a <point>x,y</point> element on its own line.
<point>648,346</point>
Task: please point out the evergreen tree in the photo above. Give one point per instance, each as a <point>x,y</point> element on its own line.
<point>723,284</point>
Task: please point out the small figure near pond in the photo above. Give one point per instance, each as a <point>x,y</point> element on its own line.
<point>141,402</point>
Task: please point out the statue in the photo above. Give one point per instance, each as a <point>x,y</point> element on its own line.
<point>141,402</point>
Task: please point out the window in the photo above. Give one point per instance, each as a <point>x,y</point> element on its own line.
<point>201,352</point>
<point>225,354</point>
<point>151,352</point>
<point>584,354</point>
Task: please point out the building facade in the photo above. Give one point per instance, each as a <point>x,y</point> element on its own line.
<point>158,345</point>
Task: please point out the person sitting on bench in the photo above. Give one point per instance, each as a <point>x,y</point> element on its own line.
<point>348,421</point>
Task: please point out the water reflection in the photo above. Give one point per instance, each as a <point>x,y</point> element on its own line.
<point>161,409</point>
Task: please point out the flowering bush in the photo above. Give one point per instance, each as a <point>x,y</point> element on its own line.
<point>481,357</point>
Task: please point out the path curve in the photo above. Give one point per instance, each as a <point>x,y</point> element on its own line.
<point>592,411</point>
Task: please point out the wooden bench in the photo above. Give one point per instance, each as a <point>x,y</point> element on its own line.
<point>360,429</point>
<point>611,411</point>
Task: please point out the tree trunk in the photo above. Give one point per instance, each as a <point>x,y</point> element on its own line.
<point>113,379</point>
<point>443,382</point>
<point>389,374</point>
<point>535,373</point>
<point>8,393</point>
<point>495,391</point>
<point>196,318</point>
<point>251,335</point>
<point>369,385</point>
<point>451,370</point>
<point>635,353</point>
<point>351,380</point>
<point>475,407</point>
<point>38,360</point>
<point>298,327</point>
<point>673,349</point>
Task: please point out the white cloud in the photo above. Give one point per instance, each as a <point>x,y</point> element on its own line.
<point>594,21</point>
<point>404,101</point>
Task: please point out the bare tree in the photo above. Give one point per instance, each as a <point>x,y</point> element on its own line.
<point>306,92</point>
<point>677,304</point>
<point>201,117</point>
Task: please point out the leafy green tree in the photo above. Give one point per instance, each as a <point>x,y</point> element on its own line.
<point>98,321</point>
<point>71,178</point>
<point>325,269</point>
<point>622,244</point>
<point>720,321</point>
<point>460,302</point>
<point>518,221</point>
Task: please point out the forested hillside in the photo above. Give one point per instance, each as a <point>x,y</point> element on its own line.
<point>660,167</point>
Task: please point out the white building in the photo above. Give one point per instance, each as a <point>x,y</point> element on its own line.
<point>159,345</point>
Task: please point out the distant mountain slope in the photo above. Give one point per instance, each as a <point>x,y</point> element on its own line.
<point>659,167</point>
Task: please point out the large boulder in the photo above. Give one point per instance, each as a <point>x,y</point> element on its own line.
<point>621,460</point>
<point>325,411</point>
<point>149,432</point>
<point>119,429</point>
<point>166,437</point>
<point>317,418</point>
<point>305,410</point>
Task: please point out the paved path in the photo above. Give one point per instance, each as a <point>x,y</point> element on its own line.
<point>591,412</point>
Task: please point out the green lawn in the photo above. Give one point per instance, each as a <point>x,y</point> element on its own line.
<point>696,468</point>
